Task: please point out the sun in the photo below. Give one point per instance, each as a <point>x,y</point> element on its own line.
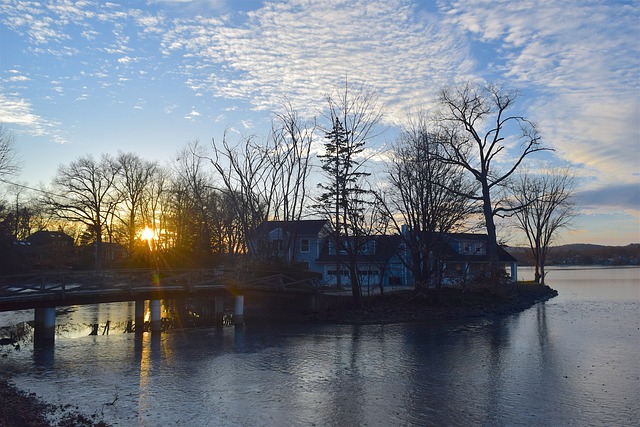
<point>148,234</point>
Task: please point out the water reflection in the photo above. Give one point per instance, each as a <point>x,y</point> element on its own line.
<point>565,362</point>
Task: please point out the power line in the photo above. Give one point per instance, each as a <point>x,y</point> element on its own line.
<point>39,190</point>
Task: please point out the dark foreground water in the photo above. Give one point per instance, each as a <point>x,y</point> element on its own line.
<point>574,360</point>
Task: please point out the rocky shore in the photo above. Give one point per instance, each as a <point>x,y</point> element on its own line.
<point>431,305</point>
<point>18,409</point>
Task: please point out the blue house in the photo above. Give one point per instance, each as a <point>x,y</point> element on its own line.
<point>465,257</point>
<point>381,260</point>
<point>308,242</point>
<point>377,263</point>
<point>292,241</point>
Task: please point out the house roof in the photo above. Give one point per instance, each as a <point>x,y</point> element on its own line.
<point>386,248</point>
<point>450,254</point>
<point>45,237</point>
<point>307,227</point>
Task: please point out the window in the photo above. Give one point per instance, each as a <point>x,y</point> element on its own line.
<point>334,272</point>
<point>342,246</point>
<point>372,272</point>
<point>468,247</point>
<point>304,245</point>
<point>472,248</point>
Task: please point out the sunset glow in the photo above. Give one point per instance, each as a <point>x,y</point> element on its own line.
<point>149,235</point>
<point>172,71</point>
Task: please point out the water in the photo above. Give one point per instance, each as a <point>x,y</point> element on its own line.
<point>574,360</point>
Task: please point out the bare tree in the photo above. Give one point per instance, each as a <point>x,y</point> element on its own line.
<point>292,139</point>
<point>135,175</point>
<point>290,146</point>
<point>193,188</point>
<point>155,206</point>
<point>420,198</point>
<point>250,177</point>
<point>84,191</point>
<point>544,205</point>
<point>9,164</point>
<point>483,137</point>
<point>25,210</point>
<point>267,180</point>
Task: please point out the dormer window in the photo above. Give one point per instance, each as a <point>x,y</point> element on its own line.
<point>342,250</point>
<point>471,248</point>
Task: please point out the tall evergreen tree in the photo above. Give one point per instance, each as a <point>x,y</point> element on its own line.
<point>342,198</point>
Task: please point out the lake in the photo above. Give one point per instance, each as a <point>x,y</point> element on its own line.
<point>573,360</point>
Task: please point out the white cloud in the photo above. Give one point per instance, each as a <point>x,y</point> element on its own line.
<point>19,112</point>
<point>126,60</point>
<point>579,77</point>
<point>583,67</point>
<point>304,50</point>
<point>192,115</point>
<point>17,79</point>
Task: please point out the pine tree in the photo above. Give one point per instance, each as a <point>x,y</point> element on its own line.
<point>342,197</point>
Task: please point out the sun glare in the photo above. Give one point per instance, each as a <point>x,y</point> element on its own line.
<point>148,234</point>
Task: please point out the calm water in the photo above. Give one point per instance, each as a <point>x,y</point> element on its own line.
<point>574,360</point>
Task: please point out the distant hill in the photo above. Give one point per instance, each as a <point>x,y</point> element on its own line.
<point>583,254</point>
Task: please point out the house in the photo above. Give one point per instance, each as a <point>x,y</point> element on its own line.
<point>308,242</point>
<point>379,258</point>
<point>47,250</point>
<point>378,262</point>
<point>292,241</point>
<point>465,258</point>
<point>113,255</point>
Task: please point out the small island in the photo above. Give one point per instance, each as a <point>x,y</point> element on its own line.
<point>450,304</point>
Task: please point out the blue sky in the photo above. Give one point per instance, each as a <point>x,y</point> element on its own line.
<point>151,76</point>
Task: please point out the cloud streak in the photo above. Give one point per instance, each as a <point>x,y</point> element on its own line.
<point>622,197</point>
<point>585,70</point>
<point>579,79</point>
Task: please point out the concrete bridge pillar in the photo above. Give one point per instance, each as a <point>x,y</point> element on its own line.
<point>239,312</point>
<point>45,326</point>
<point>139,316</point>
<point>314,303</point>
<point>156,315</point>
<point>219,311</point>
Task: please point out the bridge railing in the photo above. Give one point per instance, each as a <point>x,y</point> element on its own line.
<point>49,285</point>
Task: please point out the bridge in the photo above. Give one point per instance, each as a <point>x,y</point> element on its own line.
<point>46,291</point>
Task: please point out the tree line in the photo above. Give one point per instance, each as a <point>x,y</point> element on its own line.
<point>456,168</point>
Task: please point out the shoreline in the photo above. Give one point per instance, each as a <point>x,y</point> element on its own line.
<point>428,306</point>
<point>21,409</point>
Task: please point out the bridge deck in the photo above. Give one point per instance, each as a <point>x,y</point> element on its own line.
<point>73,288</point>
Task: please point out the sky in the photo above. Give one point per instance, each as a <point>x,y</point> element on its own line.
<point>149,77</point>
